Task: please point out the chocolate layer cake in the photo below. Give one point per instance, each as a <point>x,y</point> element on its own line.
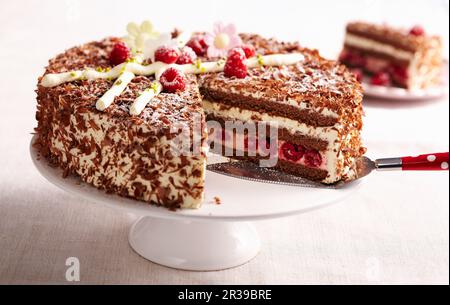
<point>114,120</point>
<point>405,58</point>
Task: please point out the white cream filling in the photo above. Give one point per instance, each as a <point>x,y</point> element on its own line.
<point>372,45</point>
<point>329,134</point>
<point>121,175</point>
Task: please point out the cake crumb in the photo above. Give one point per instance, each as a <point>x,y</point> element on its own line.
<point>217,200</point>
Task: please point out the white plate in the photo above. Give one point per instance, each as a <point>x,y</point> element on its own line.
<point>241,200</point>
<point>405,94</point>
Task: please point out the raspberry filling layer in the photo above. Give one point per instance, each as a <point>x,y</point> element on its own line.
<point>286,151</point>
<point>298,154</point>
<point>382,72</point>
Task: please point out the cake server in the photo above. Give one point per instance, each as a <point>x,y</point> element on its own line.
<point>251,171</point>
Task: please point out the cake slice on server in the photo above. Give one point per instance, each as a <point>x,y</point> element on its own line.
<point>409,59</point>
<point>315,106</point>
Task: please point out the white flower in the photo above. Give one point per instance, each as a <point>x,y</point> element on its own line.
<point>144,41</point>
<point>224,38</point>
<point>138,35</point>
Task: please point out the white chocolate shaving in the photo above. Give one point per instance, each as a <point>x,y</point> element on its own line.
<point>119,86</point>
<point>275,60</point>
<point>145,97</point>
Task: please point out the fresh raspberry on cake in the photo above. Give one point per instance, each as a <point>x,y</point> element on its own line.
<point>187,56</point>
<point>236,54</point>
<point>235,65</point>
<point>173,80</point>
<point>198,44</point>
<point>417,31</point>
<point>119,54</point>
<point>249,50</point>
<point>235,69</point>
<point>381,79</point>
<point>168,55</point>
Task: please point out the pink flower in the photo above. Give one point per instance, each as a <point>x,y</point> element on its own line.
<point>223,39</point>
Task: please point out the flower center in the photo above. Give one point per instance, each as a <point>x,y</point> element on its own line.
<point>222,41</point>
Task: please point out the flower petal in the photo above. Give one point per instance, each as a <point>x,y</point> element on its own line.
<point>218,28</point>
<point>129,41</point>
<point>213,52</point>
<point>209,39</point>
<point>133,29</point>
<point>235,41</point>
<point>140,40</point>
<point>146,27</point>
<point>230,29</point>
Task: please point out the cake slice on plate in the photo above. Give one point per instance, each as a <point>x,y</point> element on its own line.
<point>409,59</point>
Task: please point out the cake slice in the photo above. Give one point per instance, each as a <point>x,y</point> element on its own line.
<point>132,156</point>
<point>407,59</point>
<point>315,106</point>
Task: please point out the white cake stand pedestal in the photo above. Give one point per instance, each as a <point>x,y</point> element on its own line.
<point>194,245</point>
<point>214,237</point>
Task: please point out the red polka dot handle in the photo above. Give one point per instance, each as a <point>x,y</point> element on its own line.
<point>429,162</point>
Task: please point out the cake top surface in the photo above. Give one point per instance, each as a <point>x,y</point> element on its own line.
<point>316,82</point>
<point>165,110</point>
<point>398,37</point>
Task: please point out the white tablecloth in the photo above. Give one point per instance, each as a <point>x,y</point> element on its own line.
<point>394,229</point>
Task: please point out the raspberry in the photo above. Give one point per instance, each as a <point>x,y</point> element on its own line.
<point>173,80</point>
<point>236,54</point>
<point>168,55</point>
<point>417,31</point>
<point>249,50</point>
<point>235,65</point>
<point>400,72</point>
<point>187,56</point>
<point>235,68</point>
<point>313,158</point>
<point>292,152</point>
<point>198,44</point>
<point>358,74</point>
<point>119,54</point>
<point>381,79</point>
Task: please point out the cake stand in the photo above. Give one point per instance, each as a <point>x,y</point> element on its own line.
<point>214,237</point>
